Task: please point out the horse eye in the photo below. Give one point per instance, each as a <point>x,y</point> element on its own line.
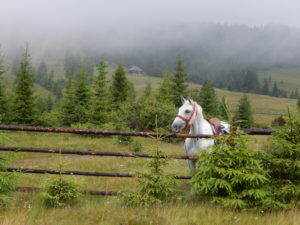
<point>187,111</point>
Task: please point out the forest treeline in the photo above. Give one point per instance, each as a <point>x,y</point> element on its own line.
<point>87,101</point>
<point>241,79</point>
<point>229,55</point>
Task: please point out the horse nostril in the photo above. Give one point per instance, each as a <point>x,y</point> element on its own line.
<point>175,127</point>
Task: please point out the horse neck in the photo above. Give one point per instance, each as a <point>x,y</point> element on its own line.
<point>200,125</point>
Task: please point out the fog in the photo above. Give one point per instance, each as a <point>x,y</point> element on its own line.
<point>124,30</point>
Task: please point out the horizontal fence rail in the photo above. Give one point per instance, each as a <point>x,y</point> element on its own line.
<point>82,173</point>
<point>87,192</point>
<point>99,153</point>
<point>91,153</point>
<point>123,133</point>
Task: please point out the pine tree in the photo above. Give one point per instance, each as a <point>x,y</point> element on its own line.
<point>298,103</point>
<point>296,93</point>
<point>232,175</point>
<point>99,108</point>
<point>82,97</point>
<point>224,110</point>
<point>148,90</point>
<point>275,90</point>
<point>24,103</point>
<point>208,100</point>
<point>120,87</point>
<point>4,114</point>
<point>49,103</point>
<point>179,82</point>
<point>283,163</point>
<point>41,105</point>
<point>131,94</point>
<point>265,89</point>
<point>72,64</point>
<point>250,81</point>
<point>292,95</point>
<point>42,73</point>
<point>244,112</point>
<point>165,90</point>
<point>68,105</point>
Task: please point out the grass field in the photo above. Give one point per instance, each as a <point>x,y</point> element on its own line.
<point>27,208</point>
<point>287,79</point>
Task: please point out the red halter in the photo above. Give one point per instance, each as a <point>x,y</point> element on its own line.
<point>187,121</point>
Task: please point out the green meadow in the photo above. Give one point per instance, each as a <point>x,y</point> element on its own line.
<point>28,208</point>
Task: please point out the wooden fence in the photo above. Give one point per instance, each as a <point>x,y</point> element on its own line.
<point>99,153</point>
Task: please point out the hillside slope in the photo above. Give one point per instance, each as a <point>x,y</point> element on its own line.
<point>287,79</point>
<point>265,108</point>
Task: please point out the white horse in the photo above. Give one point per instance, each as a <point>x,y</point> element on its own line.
<point>190,115</point>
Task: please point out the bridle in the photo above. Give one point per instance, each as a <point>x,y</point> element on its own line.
<point>187,121</point>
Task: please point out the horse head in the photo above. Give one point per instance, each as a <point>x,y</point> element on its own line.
<point>186,115</point>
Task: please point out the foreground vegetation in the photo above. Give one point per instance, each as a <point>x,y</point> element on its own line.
<point>28,208</point>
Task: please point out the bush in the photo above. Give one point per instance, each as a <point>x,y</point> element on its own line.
<point>124,140</point>
<point>142,114</point>
<point>60,192</point>
<point>232,175</point>
<point>8,180</point>
<point>136,146</point>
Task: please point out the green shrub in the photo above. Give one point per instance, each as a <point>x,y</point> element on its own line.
<point>8,180</point>
<point>283,163</point>
<point>136,146</point>
<point>153,186</point>
<point>141,115</point>
<point>124,140</point>
<point>232,174</point>
<point>60,192</point>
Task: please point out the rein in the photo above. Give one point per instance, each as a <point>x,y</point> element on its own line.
<point>187,121</point>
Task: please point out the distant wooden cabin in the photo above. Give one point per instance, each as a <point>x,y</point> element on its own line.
<point>135,70</point>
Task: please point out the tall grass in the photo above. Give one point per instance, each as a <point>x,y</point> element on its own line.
<point>27,208</point>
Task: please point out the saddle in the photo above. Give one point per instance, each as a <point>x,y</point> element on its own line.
<point>218,129</point>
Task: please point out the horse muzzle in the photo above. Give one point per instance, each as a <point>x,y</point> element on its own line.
<point>176,127</point>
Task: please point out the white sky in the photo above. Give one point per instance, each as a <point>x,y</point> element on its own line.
<point>41,22</point>
<point>68,14</point>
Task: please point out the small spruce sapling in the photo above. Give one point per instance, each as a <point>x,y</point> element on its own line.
<point>61,191</point>
<point>154,186</point>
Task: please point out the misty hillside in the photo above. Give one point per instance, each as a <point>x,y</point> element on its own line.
<point>209,50</point>
<point>213,49</point>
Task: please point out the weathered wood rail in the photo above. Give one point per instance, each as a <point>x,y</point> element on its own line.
<point>99,153</point>
<point>123,133</point>
<point>82,173</point>
<point>91,153</point>
<point>87,192</point>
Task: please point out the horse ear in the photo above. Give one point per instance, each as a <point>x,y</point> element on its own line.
<point>183,100</point>
<point>190,100</point>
